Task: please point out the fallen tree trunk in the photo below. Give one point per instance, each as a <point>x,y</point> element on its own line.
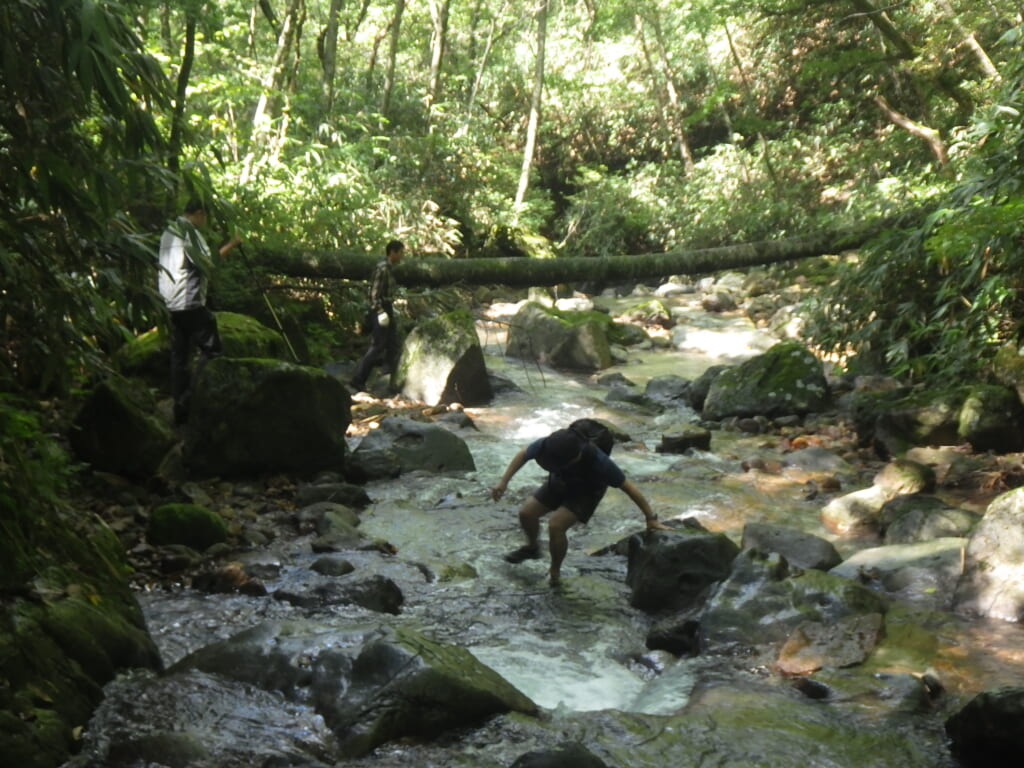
<point>525,272</point>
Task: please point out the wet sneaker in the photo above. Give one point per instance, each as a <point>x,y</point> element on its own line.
<point>525,552</point>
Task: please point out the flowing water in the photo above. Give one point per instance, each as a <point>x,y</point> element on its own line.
<point>578,651</point>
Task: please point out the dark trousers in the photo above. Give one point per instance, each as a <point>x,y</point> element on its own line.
<point>383,351</point>
<point>190,329</point>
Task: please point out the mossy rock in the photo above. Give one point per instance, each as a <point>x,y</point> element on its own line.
<point>193,525</point>
<point>787,379</point>
<point>149,356</point>
<point>118,430</point>
<point>442,362</point>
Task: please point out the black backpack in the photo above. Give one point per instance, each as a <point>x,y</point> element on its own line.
<point>595,433</point>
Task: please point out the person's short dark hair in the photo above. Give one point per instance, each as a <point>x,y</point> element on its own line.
<point>394,245</point>
<point>559,449</point>
<point>194,205</point>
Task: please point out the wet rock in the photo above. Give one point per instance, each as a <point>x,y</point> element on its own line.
<point>857,513</point>
<point>402,445</point>
<point>682,438</point>
<point>673,570</point>
<point>804,550</point>
<point>719,301</point>
<point>918,517</point>
<point>668,388</point>
<point>370,684</point>
<point>376,593</point>
<point>678,634</point>
<point>333,491</point>
<point>572,755</point>
<point>925,572</point>
<point>763,601</point>
<point>817,459</point>
<point>227,579</point>
<point>332,566</point>
<point>700,386</point>
<point>987,732</point>
<point>786,379</point>
<point>993,580</point>
<point>843,643</point>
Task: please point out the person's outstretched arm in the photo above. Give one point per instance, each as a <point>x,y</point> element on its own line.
<point>653,524</point>
<point>513,466</point>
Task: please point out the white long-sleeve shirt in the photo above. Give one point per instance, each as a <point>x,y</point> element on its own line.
<point>185,260</point>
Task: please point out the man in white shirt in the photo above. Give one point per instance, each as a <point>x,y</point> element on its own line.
<point>185,263</point>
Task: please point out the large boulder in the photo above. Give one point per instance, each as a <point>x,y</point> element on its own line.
<point>149,354</point>
<point>403,445</point>
<point>987,732</point>
<point>763,602</point>
<point>674,570</point>
<point>993,579</point>
<point>918,517</point>
<point>117,430</point>
<point>785,380</point>
<point>258,416</point>
<point>576,341</point>
<point>370,685</point>
<point>442,363</point>
<point>925,573</point>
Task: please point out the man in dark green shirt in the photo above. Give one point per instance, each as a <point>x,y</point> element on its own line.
<point>383,335</point>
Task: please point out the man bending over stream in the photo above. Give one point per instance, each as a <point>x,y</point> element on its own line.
<point>579,473</point>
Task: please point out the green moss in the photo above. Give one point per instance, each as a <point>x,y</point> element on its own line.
<point>189,524</point>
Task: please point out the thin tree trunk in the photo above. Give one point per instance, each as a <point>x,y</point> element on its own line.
<point>438,44</point>
<point>535,103</point>
<point>389,79</point>
<point>273,83</point>
<point>329,56</point>
<point>930,136</point>
<point>524,272</point>
<point>180,94</point>
<point>971,42</point>
<point>750,99</point>
<point>481,69</point>
<point>668,103</point>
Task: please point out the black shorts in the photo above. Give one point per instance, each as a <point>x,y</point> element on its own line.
<point>580,500</point>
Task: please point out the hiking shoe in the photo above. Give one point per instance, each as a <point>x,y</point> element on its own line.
<point>525,552</point>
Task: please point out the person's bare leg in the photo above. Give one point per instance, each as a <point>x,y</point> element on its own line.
<point>559,523</point>
<point>529,519</point>
<point>530,514</point>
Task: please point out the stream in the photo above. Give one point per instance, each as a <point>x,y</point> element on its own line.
<point>578,650</point>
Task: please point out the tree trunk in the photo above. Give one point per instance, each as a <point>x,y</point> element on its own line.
<point>180,92</point>
<point>929,135</point>
<point>273,82</point>
<point>535,103</point>
<point>526,272</point>
<point>438,43</point>
<point>668,103</point>
<point>329,56</point>
<point>389,78</point>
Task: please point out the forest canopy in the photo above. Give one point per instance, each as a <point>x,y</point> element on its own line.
<point>553,128</point>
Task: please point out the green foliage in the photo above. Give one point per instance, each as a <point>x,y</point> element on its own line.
<point>34,478</point>
<point>952,286</point>
<point>76,130</point>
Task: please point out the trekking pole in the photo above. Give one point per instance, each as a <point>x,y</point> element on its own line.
<point>266,299</point>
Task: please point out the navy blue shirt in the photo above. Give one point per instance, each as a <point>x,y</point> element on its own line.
<point>595,468</point>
